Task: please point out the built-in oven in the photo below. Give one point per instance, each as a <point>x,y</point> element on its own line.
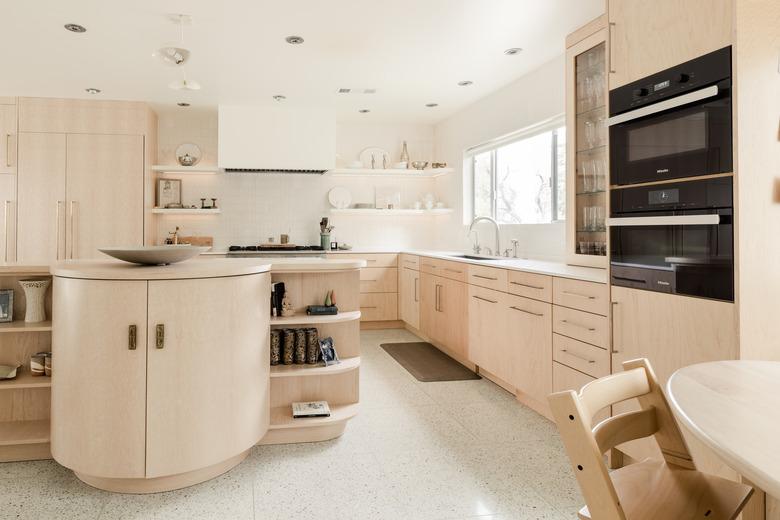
<point>675,238</point>
<point>673,124</point>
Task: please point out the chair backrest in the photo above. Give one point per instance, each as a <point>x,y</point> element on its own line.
<point>586,444</point>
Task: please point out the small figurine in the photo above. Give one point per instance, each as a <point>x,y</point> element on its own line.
<point>328,301</point>
<point>287,308</point>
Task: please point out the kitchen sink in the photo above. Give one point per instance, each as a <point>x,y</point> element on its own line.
<point>478,257</point>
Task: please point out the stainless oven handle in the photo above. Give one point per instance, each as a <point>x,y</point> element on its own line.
<point>672,220</point>
<point>666,104</point>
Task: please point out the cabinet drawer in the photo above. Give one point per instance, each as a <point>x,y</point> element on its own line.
<point>585,296</point>
<point>444,268</point>
<point>379,280</point>
<point>489,277</point>
<point>409,261</point>
<point>584,326</point>
<point>372,259</point>
<point>530,285</point>
<point>379,306</point>
<point>565,378</point>
<point>584,357</point>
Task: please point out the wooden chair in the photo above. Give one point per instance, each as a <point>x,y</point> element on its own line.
<point>669,489</point>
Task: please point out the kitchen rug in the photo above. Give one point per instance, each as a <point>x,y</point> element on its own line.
<point>427,363</point>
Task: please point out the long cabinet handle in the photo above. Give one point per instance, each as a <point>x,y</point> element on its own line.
<point>582,358</point>
<point>667,104</point>
<point>438,298</point>
<point>609,47</point>
<point>614,322</point>
<point>57,219</point>
<point>527,312</point>
<point>8,150</point>
<point>160,336</point>
<point>132,337</point>
<point>6,217</point>
<point>484,299</point>
<point>484,277</point>
<point>365,307</point>
<point>589,329</point>
<point>527,285</point>
<point>73,246</point>
<point>453,270</point>
<point>416,289</point>
<point>578,295</point>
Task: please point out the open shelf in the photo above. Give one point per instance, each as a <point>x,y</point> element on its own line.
<point>185,211</point>
<point>391,212</point>
<point>346,365</point>
<point>24,270</point>
<point>281,417</point>
<point>24,379</point>
<point>305,319</point>
<point>22,326</point>
<point>190,170</point>
<point>25,432</point>
<point>430,173</point>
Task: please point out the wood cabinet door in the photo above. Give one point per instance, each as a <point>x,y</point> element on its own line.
<point>429,304</point>
<point>410,297</point>
<point>208,379</point>
<point>648,37</point>
<point>41,200</point>
<point>105,188</point>
<point>529,341</point>
<point>98,399</point>
<point>453,307</point>
<point>488,345</point>
<point>7,139</point>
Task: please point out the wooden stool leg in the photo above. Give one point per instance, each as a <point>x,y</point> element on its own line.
<point>755,509</point>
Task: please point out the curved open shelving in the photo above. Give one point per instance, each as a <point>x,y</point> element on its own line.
<point>305,319</point>
<point>281,417</point>
<point>315,370</point>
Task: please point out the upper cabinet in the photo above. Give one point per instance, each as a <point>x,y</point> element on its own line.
<point>586,145</point>
<point>648,37</point>
<point>7,135</point>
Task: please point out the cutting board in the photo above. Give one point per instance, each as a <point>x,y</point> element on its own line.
<point>197,241</point>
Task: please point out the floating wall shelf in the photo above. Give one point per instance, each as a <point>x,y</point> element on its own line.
<point>189,170</point>
<point>392,173</point>
<point>372,212</point>
<point>186,211</point>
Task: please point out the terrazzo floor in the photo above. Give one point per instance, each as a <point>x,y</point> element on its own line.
<point>418,451</point>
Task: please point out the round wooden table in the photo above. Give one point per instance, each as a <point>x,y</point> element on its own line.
<point>734,408</point>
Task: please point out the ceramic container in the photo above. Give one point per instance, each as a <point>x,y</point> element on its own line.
<point>35,293</point>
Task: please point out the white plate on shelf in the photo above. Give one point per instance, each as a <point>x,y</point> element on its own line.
<point>378,153</point>
<point>339,197</point>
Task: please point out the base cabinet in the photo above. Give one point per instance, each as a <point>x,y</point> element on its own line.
<point>443,309</point>
<point>409,296</point>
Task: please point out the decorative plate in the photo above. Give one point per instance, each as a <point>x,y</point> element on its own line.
<point>378,153</point>
<point>339,197</point>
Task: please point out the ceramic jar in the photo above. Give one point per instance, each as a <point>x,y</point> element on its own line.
<point>35,293</point>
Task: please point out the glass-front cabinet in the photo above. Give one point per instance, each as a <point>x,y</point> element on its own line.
<point>586,155</point>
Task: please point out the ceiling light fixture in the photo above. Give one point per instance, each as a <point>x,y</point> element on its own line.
<point>294,40</point>
<point>175,53</point>
<point>279,98</point>
<point>465,83</point>
<point>512,51</point>
<point>92,90</point>
<point>184,84</point>
<point>76,28</point>
<point>364,111</point>
<point>182,104</point>
<point>431,105</point>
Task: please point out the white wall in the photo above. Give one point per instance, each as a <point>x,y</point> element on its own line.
<point>533,98</point>
<point>258,206</point>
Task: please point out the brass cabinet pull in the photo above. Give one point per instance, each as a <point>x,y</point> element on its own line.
<point>132,337</point>
<point>160,342</point>
<point>484,299</point>
<point>582,358</point>
<point>526,285</point>
<point>525,311</point>
<point>484,277</point>
<point>567,322</point>
<point>452,270</point>
<point>578,295</point>
<point>609,46</point>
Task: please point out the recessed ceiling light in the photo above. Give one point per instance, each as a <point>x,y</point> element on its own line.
<point>76,28</point>
<point>364,111</point>
<point>92,90</point>
<point>465,83</point>
<point>279,97</point>
<point>182,104</point>
<point>431,105</point>
<point>512,51</point>
<point>294,40</point>
<point>184,84</point>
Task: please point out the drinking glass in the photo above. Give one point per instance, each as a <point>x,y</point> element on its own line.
<point>599,218</point>
<point>588,168</point>
<point>590,133</point>
<point>600,174</point>
<point>600,130</point>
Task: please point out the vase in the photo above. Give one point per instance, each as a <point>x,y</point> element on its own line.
<point>35,294</point>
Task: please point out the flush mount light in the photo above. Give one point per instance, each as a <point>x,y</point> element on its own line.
<point>92,90</point>
<point>465,83</point>
<point>184,84</point>
<point>76,28</point>
<point>431,105</point>
<point>294,40</point>
<point>279,98</point>
<point>182,104</point>
<point>364,111</point>
<point>512,51</point>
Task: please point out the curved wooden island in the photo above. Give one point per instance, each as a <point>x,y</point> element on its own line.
<point>162,376</point>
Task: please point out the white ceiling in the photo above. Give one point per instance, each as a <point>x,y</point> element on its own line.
<point>412,51</point>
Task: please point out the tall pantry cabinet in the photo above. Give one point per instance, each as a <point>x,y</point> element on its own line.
<point>8,161</point>
<point>82,177</point>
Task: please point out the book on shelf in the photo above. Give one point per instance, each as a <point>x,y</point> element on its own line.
<point>310,409</point>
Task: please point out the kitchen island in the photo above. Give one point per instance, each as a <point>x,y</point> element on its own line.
<point>163,378</point>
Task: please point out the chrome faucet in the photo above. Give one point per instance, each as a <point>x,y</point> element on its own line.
<point>497,249</point>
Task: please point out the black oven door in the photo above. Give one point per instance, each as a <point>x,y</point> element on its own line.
<point>690,253</point>
<point>685,136</point>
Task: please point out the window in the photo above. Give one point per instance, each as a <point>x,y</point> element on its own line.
<point>522,181</point>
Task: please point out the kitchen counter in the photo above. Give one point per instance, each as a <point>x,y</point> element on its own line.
<point>200,268</point>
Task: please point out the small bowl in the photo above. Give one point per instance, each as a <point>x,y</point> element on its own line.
<point>419,165</point>
<point>400,165</point>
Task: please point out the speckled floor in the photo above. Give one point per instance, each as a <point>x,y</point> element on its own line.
<point>424,451</point>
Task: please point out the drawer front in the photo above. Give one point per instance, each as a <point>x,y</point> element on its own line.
<point>378,280</point>
<point>379,307</point>
<point>584,326</point>
<point>565,378</point>
<point>488,277</point>
<point>585,296</point>
<point>443,268</point>
<point>372,259</point>
<point>584,357</point>
<point>409,261</point>
<point>530,285</point>
<point>431,265</point>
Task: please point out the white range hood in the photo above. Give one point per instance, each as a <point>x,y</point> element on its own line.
<point>276,139</point>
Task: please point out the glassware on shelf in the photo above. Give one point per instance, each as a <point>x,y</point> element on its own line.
<point>599,220</point>
<point>600,174</point>
<point>590,133</point>
<point>588,173</point>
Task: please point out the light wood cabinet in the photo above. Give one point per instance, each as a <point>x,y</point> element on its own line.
<point>648,37</point>
<point>566,378</point>
<point>378,306</point>
<point>488,344</point>
<point>529,336</point>
<point>443,308</point>
<point>409,297</point>
<point>8,134</point>
<point>378,280</point>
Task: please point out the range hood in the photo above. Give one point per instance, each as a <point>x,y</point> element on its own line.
<point>276,139</point>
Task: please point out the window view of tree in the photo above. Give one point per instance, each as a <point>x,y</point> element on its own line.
<point>483,184</point>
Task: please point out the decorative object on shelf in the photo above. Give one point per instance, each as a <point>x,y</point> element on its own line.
<point>438,165</point>
<point>287,307</point>
<point>277,296</point>
<point>310,409</point>
<point>300,346</point>
<point>154,255</point>
<point>339,197</point>
<point>369,156</point>
<point>404,154</point>
<point>325,242</point>
<point>325,230</point>
<point>276,347</point>
<point>35,293</point>
<point>173,239</point>
<point>387,197</point>
<point>169,193</point>
<point>328,351</point>
<point>213,203</point>
<point>312,346</point>
<point>188,154</point>
<point>345,247</point>
<point>6,305</point>
<point>284,239</point>
<point>38,364</point>
<point>419,165</point>
<point>288,346</point>
<point>47,364</point>
<point>429,200</point>
<point>8,372</point>
<point>322,310</point>
<point>364,205</point>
